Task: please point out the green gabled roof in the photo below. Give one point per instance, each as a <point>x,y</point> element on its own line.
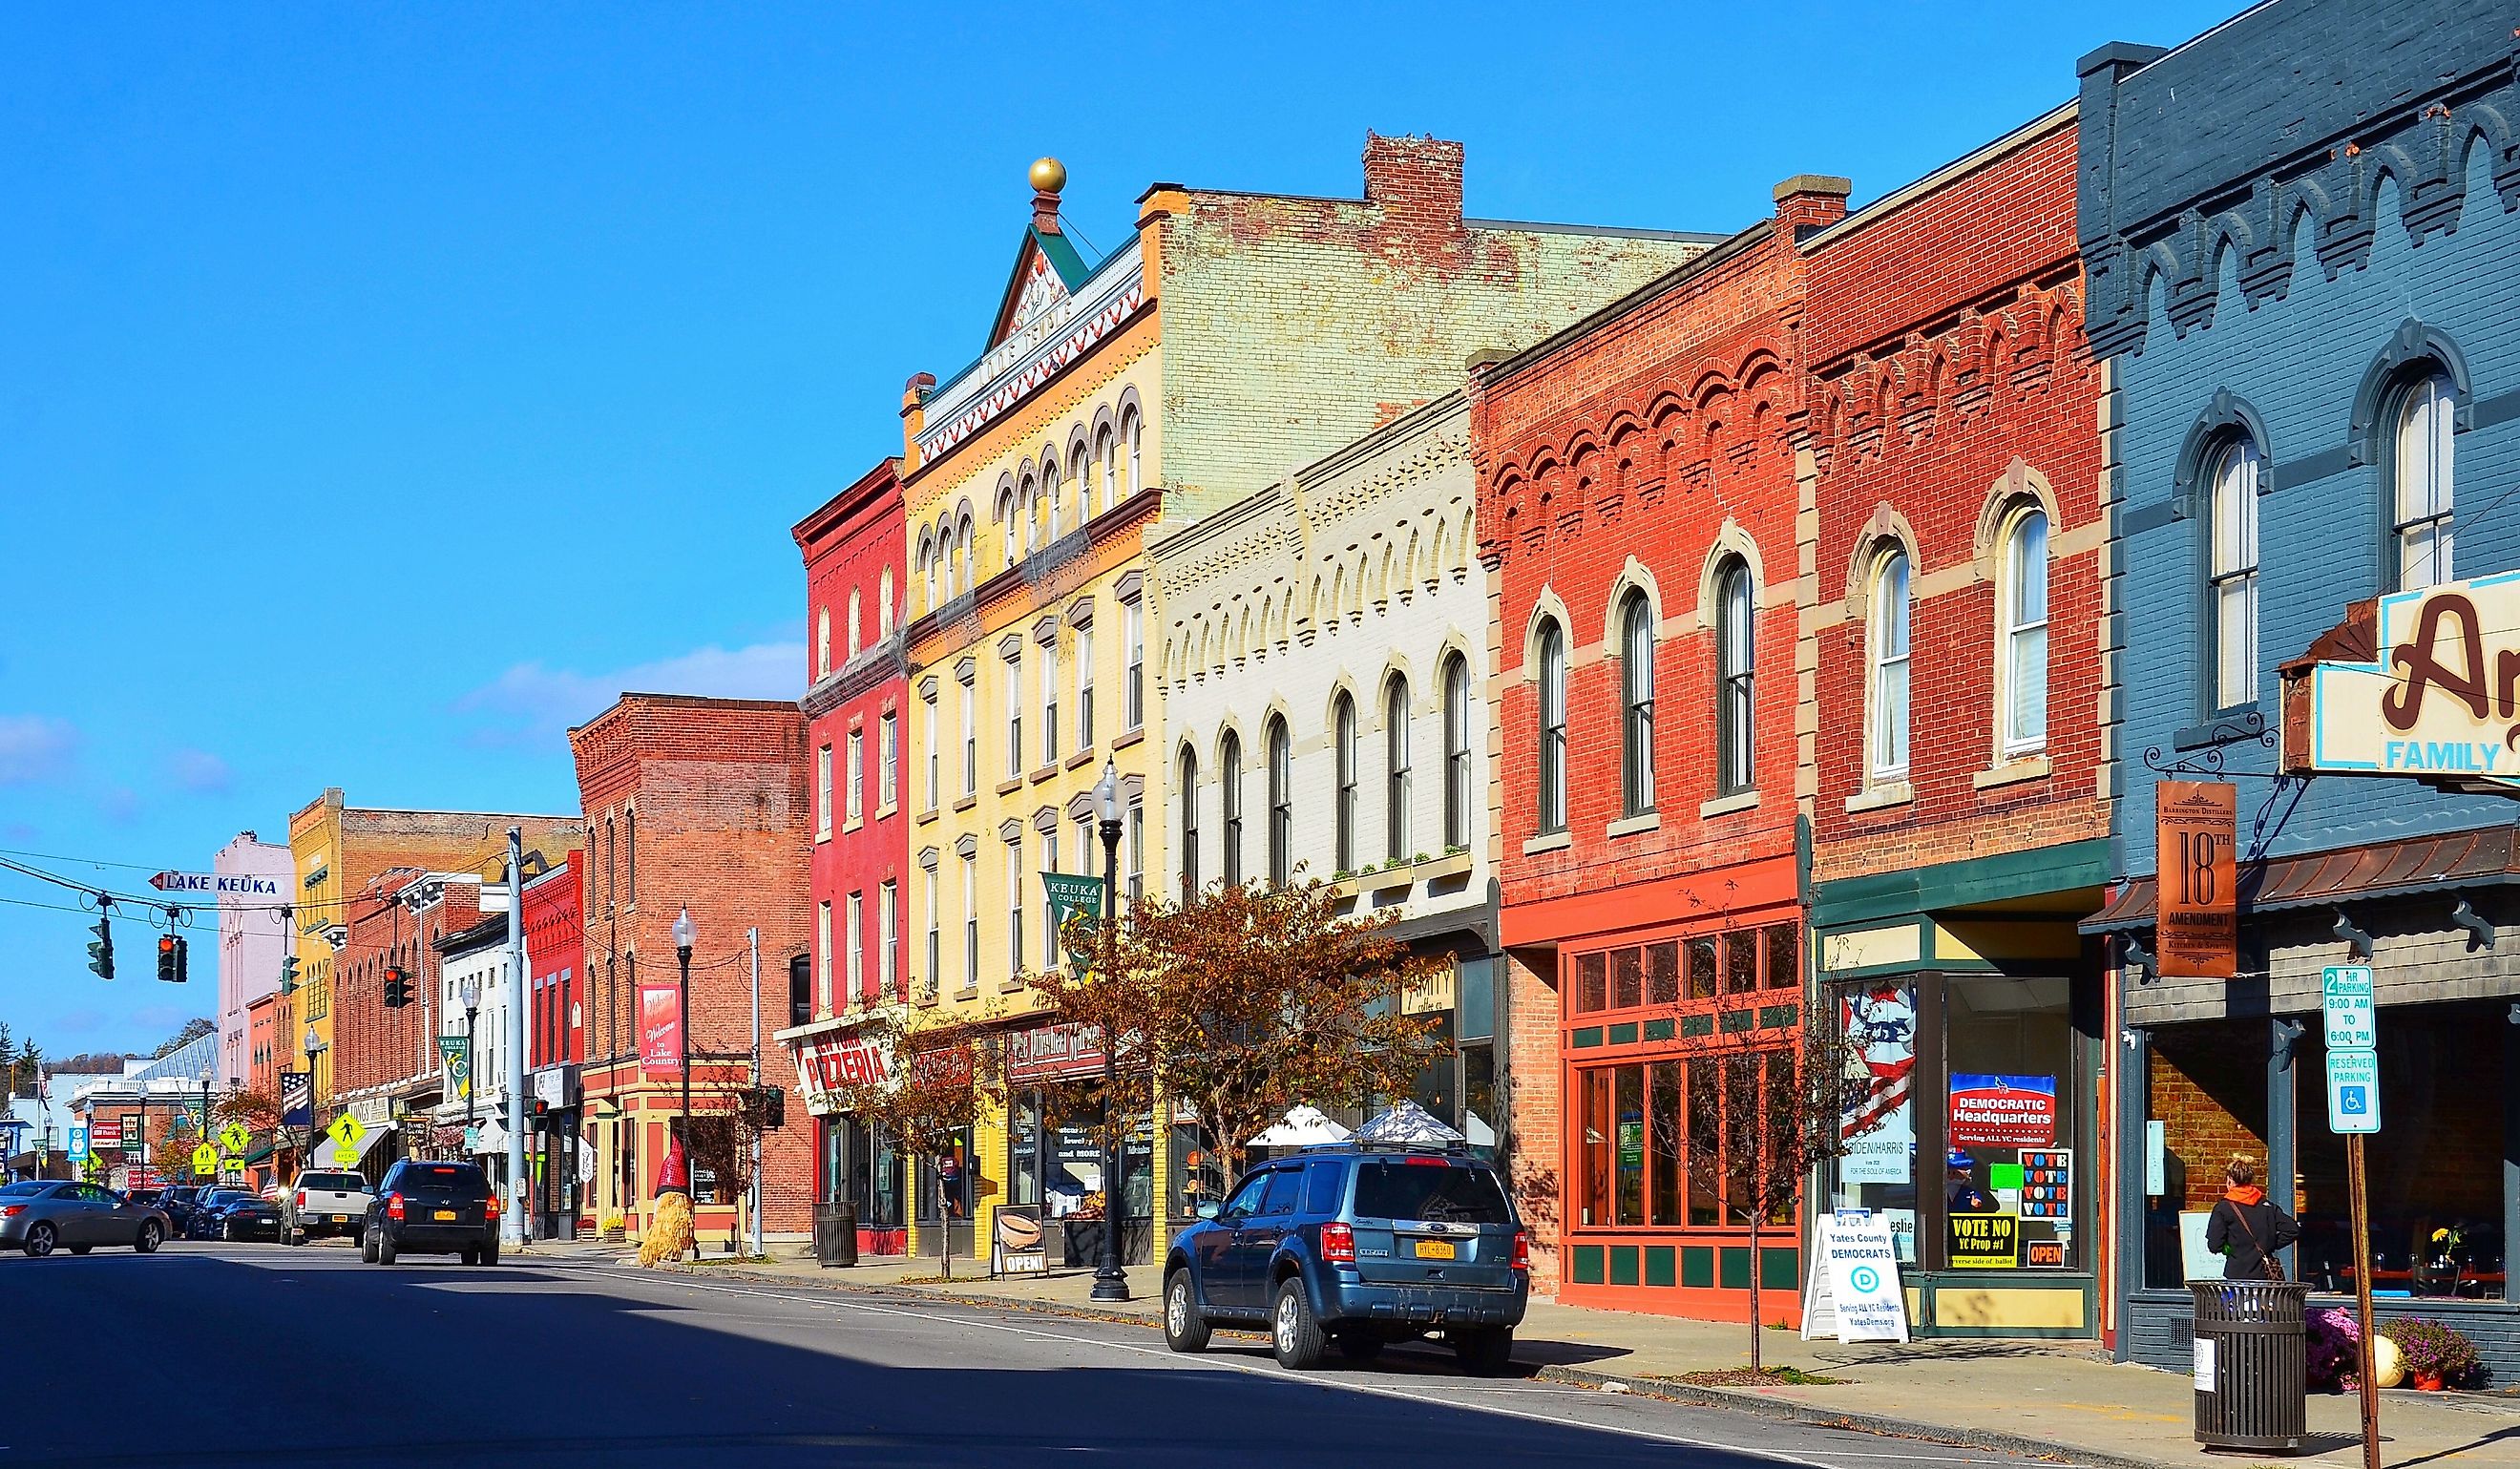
<point>1063,259</point>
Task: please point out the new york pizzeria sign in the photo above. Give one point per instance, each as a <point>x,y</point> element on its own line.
<point>2440,700</point>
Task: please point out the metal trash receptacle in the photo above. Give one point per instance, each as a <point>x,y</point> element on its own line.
<point>835,1234</point>
<point>2252,1364</point>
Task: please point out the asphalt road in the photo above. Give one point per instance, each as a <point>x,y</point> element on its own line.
<point>252,1355</point>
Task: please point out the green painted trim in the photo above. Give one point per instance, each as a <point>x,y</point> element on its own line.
<point>1738,1021</point>
<point>1733,1266</point>
<point>1660,1266</point>
<point>1659,1030</point>
<point>1697,1267</point>
<point>1700,1024</point>
<point>1779,1269</point>
<point>1864,901</point>
<point>1585,1039</point>
<point>1624,1034</point>
<point>1584,1264</point>
<point>1623,1264</point>
<point>1779,1016</point>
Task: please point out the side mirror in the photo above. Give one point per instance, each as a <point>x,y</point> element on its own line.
<point>1210,1209</point>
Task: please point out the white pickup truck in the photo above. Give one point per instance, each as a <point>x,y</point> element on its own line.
<point>325,1202</point>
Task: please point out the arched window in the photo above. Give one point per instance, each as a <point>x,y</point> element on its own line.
<point>927,559</point>
<point>855,622</point>
<point>2422,465</point>
<point>823,643</point>
<point>1885,634</point>
<point>1735,770</point>
<point>1189,825</point>
<point>883,606</point>
<point>1637,705</point>
<point>1055,492</point>
<point>1457,753</point>
<point>1106,458</point>
<point>1552,728</point>
<point>1395,736</point>
<point>1131,432</point>
<point>1343,742</point>
<point>2025,632</point>
<point>1281,805</point>
<point>965,582</point>
<point>1229,775</point>
<point>2231,577</point>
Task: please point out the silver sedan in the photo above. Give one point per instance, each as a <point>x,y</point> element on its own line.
<point>40,1216</point>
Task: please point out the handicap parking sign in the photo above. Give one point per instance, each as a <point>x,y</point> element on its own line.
<point>2353,1091</point>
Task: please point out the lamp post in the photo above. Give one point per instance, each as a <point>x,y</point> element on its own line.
<point>207,1071</point>
<point>471,992</point>
<point>686,933</point>
<point>314,1047</point>
<point>1111,1281</point>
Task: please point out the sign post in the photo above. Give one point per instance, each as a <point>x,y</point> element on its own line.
<point>2348,1003</point>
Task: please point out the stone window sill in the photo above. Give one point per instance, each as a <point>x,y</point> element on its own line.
<point>1881,797</point>
<point>1081,758</point>
<point>823,835</point>
<point>1651,821</point>
<point>1740,800</point>
<point>1009,786</point>
<point>929,815</point>
<point>1044,772</point>
<point>1549,842</point>
<point>853,824</point>
<point>1123,740</point>
<point>2013,772</point>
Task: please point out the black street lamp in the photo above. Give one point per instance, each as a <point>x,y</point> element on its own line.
<point>1111,1281</point>
<point>470,990</point>
<point>686,933</point>
<point>314,1045</point>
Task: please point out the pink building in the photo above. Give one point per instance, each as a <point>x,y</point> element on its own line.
<point>256,935</point>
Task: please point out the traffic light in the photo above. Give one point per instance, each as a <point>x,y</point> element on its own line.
<point>172,966</point>
<point>100,950</point>
<point>288,974</point>
<point>398,987</point>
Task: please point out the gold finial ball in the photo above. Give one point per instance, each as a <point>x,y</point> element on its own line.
<point>1048,175</point>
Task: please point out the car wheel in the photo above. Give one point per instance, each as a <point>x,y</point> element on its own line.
<point>40,1240</point>
<point>469,1256</point>
<point>81,1249</point>
<point>1185,1327</point>
<point>1486,1350</point>
<point>1293,1335</point>
<point>490,1252</point>
<point>367,1249</point>
<point>385,1248</point>
<point>1358,1346</point>
<point>150,1237</point>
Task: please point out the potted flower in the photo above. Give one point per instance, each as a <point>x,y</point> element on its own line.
<point>2437,1355</point>
<point>2335,1352</point>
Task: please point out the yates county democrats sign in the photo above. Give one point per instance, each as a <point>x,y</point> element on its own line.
<point>2441,699</point>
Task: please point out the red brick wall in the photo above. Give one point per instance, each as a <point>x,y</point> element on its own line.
<point>555,953</point>
<point>1944,330</point>
<point>724,819</point>
<point>374,1046</point>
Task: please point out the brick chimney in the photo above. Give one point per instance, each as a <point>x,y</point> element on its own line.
<point>1416,181</point>
<point>1810,201</point>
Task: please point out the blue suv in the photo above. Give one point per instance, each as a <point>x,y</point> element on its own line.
<point>1356,1246</point>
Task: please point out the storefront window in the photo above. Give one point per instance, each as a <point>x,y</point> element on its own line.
<point>1877,1128</point>
<point>2011,1094</point>
<point>2205,1087</point>
<point>1739,963</point>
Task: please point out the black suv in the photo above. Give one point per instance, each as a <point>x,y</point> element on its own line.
<point>1356,1246</point>
<point>430,1208</point>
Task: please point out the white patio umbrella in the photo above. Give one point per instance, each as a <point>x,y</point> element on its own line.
<point>1407,1122</point>
<point>1302,1126</point>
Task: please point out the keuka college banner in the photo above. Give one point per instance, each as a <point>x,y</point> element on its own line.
<point>661,1031</point>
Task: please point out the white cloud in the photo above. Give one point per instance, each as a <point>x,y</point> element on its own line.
<point>532,704</point>
<point>35,747</point>
<point>199,770</point>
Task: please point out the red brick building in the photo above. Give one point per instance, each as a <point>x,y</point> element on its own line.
<point>555,932</point>
<point>700,804</point>
<point>1638,513</point>
<point>385,1062</point>
<point>857,703</point>
<point>1960,821</point>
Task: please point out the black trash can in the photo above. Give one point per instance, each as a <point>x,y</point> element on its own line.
<point>835,1233</point>
<point>2252,1364</point>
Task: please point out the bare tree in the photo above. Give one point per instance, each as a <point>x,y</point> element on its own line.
<point>929,1090</point>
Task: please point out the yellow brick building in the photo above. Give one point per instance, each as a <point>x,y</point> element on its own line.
<point>1232,338</point>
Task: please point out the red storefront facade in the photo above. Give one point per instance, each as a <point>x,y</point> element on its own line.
<point>1640,517</point>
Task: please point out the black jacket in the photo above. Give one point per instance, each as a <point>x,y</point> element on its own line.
<point>2243,1249</point>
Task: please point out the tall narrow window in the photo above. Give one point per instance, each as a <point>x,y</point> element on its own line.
<point>2025,634</point>
<point>1085,688</point>
<point>1133,684</point>
<point>1014,906</point>
<point>1552,728</point>
<point>1637,705</point>
<point>1281,805</point>
<point>855,597</point>
<point>887,928</point>
<point>1055,492</point>
<point>822,958</point>
<point>887,788</point>
<point>823,643</point>
<point>2423,489</point>
<point>971,921</point>
<point>630,856</point>
<point>1189,788</point>
<point>857,948</point>
<point>1887,640</point>
<point>1136,848</point>
<point>1049,704</point>
<point>1395,736</point>
<point>1131,432</point>
<point>2233,574</point>
<point>1735,648</point>
<point>1343,746</point>
<point>971,740</point>
<point>857,775</point>
<point>935,955</point>
<point>1457,753</point>
<point>822,793</point>
<point>1229,776</point>
<point>883,605</point>
<point>1108,459</point>
<point>1049,909</point>
<point>1015,717</point>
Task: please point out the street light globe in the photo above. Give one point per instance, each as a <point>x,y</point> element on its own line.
<point>686,933</point>
<point>1106,793</point>
<point>314,1042</point>
<point>470,990</point>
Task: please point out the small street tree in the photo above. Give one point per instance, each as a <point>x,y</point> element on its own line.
<point>929,1091</point>
<point>1762,1116</point>
<point>1248,1000</point>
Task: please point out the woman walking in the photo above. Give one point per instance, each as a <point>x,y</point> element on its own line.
<point>2247,1230</point>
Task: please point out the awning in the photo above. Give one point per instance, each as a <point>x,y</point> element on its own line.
<point>2410,867</point>
<point>1406,1122</point>
<point>1303,1127</point>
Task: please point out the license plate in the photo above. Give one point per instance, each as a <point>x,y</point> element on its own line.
<point>450,1213</point>
<point>1434,1249</point>
<point>340,1218</point>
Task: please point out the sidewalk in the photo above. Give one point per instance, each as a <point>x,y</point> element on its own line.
<point>2064,1399</point>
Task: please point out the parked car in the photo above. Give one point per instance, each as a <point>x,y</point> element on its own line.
<point>39,1216</point>
<point>325,1201</point>
<point>179,1203</point>
<point>1356,1246</point>
<point>432,1208</point>
<point>246,1217</point>
<point>211,1208</point>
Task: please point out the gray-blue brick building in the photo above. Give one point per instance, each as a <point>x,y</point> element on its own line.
<point>2303,263</point>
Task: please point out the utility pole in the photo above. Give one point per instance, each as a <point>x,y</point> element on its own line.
<point>511,1225</point>
<point>753,939</point>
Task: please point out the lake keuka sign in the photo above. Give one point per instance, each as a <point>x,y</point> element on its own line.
<point>216,886</point>
<point>2439,698</point>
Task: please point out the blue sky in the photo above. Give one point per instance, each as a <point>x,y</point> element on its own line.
<point>382,389</point>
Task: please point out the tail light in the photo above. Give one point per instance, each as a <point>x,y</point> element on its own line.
<point>1522,1251</point>
<point>11,1211</point>
<point>494,1207</point>
<point>302,1198</point>
<point>1338,1243</point>
<point>393,1206</point>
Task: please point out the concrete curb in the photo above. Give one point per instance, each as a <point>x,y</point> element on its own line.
<point>1689,1393</point>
